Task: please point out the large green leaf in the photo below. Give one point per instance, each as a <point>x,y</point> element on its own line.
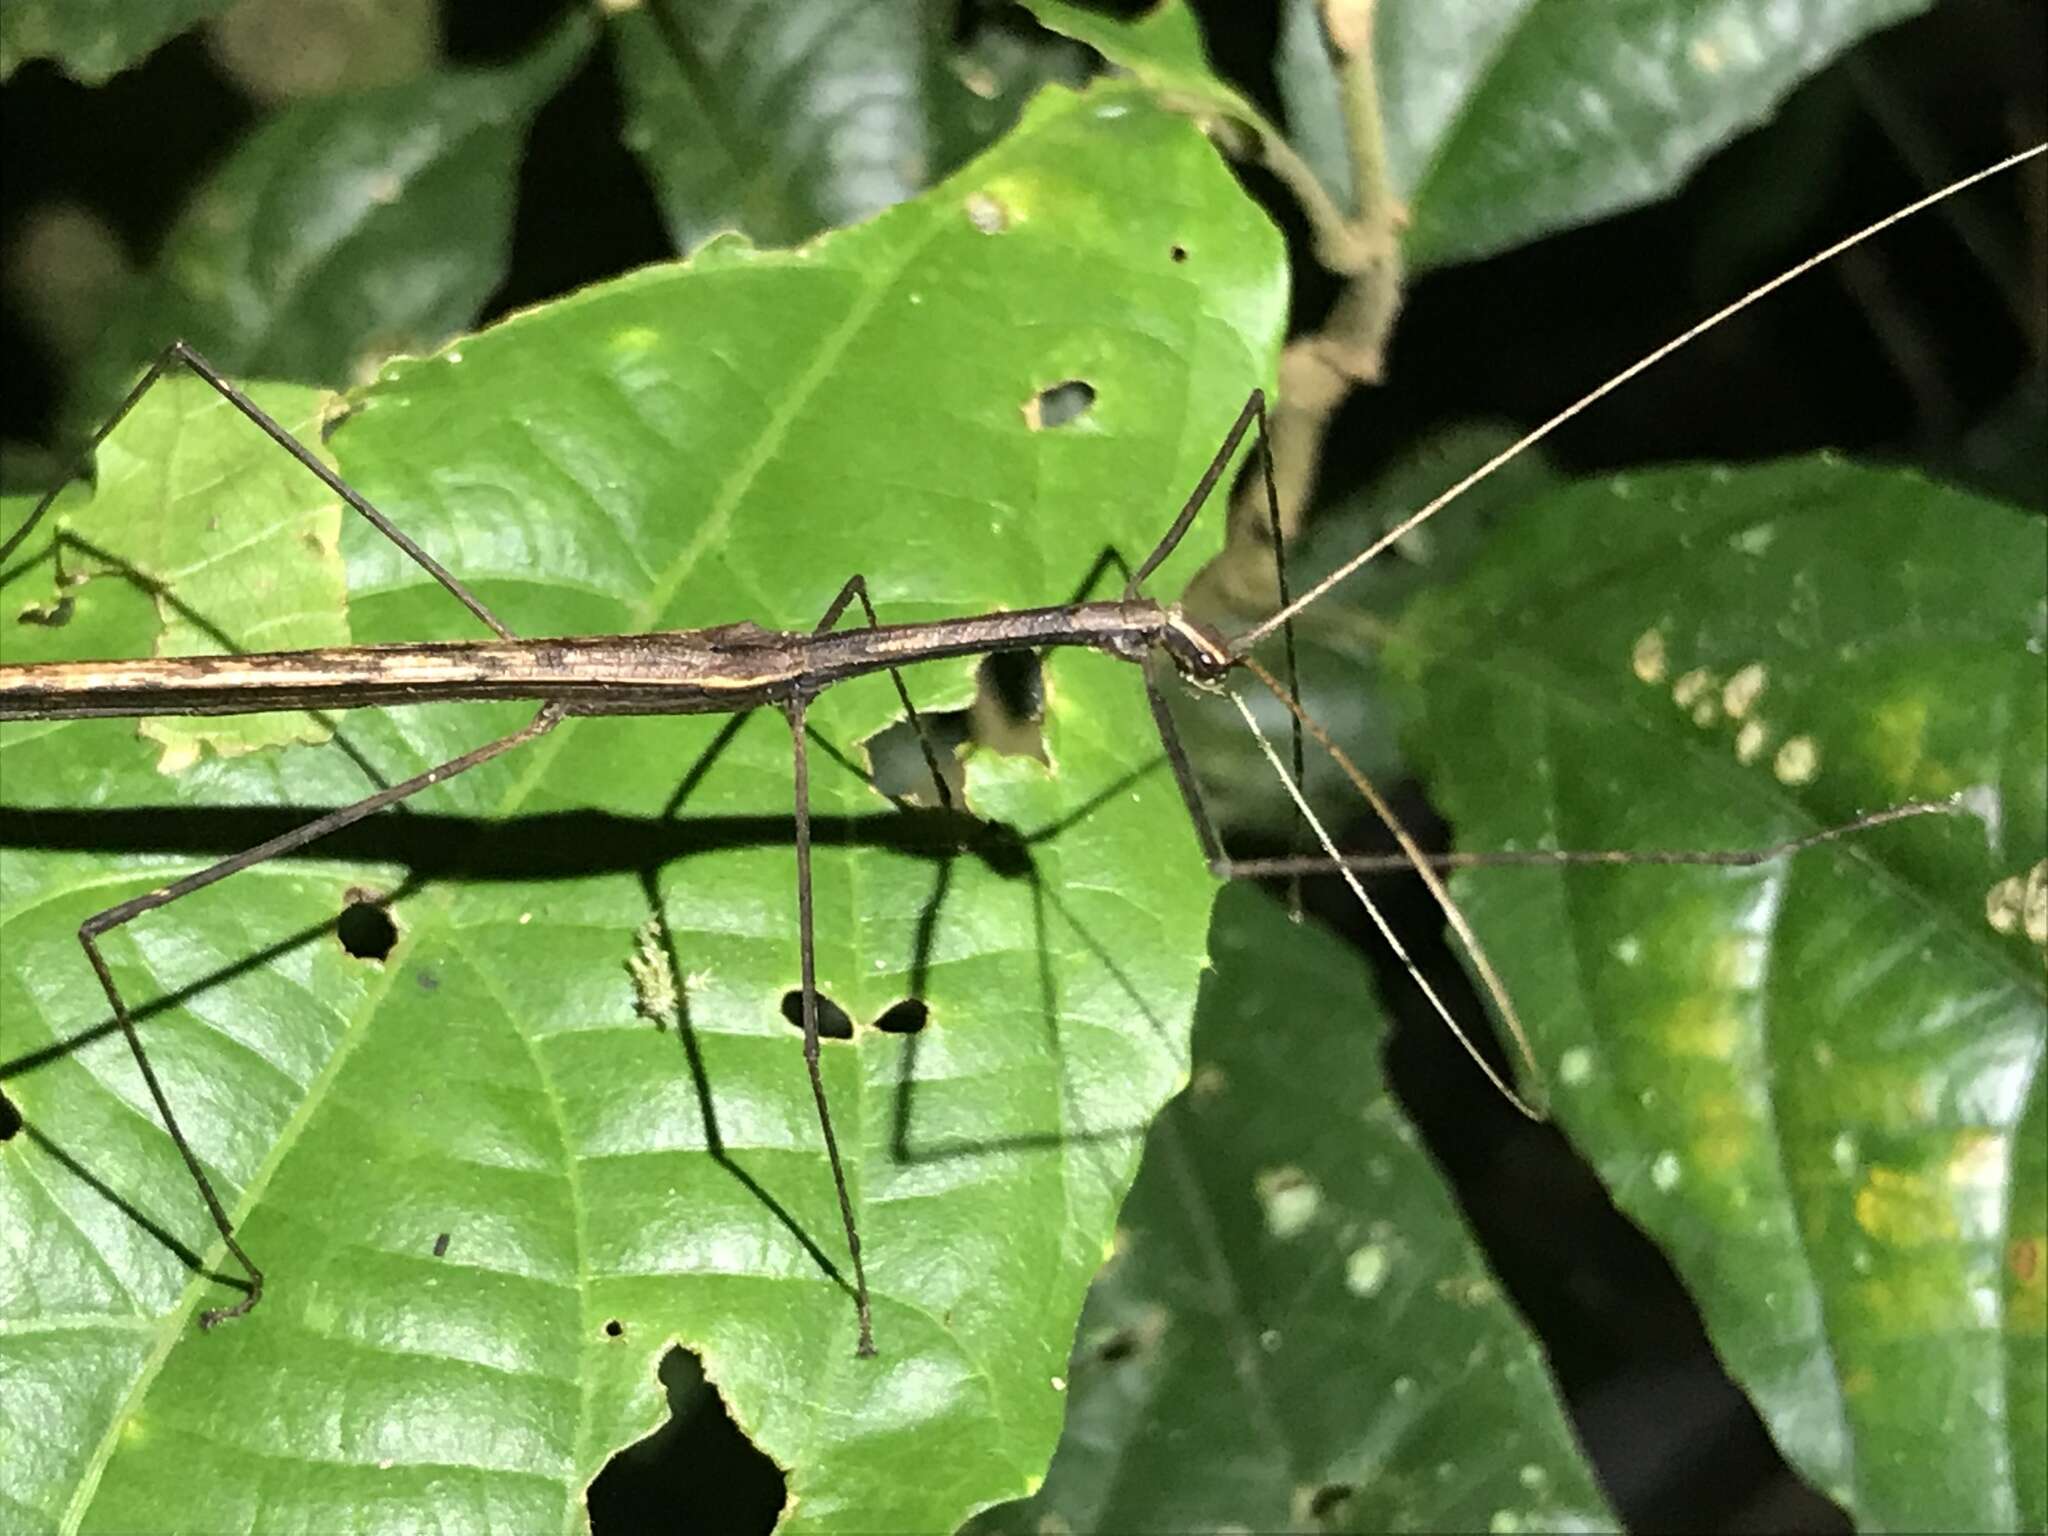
<point>1818,1082</point>
<point>1504,120</point>
<point>1515,118</point>
<point>345,229</point>
<point>776,121</point>
<point>690,445</point>
<point>1297,1333</point>
<point>781,121</point>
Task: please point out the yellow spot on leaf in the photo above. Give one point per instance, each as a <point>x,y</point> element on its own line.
<point>1744,689</point>
<point>1688,689</point>
<point>1701,1027</point>
<point>1797,762</point>
<point>1750,741</point>
<point>1903,1208</point>
<point>1647,659</point>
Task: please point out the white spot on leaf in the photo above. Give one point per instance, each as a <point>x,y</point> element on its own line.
<point>1665,1171</point>
<point>1743,690</point>
<point>1750,741</point>
<point>1688,690</point>
<point>1290,1200</point>
<point>1365,1271</point>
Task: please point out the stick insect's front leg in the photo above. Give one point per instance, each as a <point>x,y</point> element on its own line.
<point>94,927</point>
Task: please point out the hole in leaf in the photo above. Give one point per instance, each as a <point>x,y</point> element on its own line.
<point>614,1329</point>
<point>10,1119</point>
<point>50,615</point>
<point>1058,404</point>
<point>1180,253</point>
<point>833,1023</point>
<point>441,1246</point>
<point>364,929</point>
<point>896,759</point>
<point>660,1483</point>
<point>904,1018</point>
<point>1009,704</point>
<point>1118,1347</point>
<point>1328,1504</point>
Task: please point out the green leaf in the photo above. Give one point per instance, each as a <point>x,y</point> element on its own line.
<point>343,230</point>
<point>1161,49</point>
<point>1510,119</point>
<point>691,445</point>
<point>780,121</point>
<point>776,122</point>
<point>1817,1083</point>
<point>1296,1331</point>
<point>94,40</point>
<point>1505,120</point>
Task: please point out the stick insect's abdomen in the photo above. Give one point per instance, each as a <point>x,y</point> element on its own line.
<point>683,673</point>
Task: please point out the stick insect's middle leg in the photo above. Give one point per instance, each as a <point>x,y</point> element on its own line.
<point>857,587</point>
<point>100,923</point>
<point>800,772</point>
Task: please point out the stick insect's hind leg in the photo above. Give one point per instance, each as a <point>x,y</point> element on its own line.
<point>90,931</point>
<point>177,354</point>
<point>857,587</point>
<point>800,773</point>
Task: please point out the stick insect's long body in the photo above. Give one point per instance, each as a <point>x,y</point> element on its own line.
<point>720,670</point>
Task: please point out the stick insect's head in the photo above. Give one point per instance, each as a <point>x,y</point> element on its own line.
<point>1200,655</point>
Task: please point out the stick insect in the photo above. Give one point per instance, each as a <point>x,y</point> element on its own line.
<point>739,666</point>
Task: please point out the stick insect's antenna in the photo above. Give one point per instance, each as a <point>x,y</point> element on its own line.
<point>1469,940</point>
<point>1273,621</point>
<point>1556,858</point>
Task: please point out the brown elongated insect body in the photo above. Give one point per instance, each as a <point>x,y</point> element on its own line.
<point>668,672</point>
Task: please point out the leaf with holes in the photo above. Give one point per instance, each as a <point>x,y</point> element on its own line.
<point>1818,1082</point>
<point>487,1190</point>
